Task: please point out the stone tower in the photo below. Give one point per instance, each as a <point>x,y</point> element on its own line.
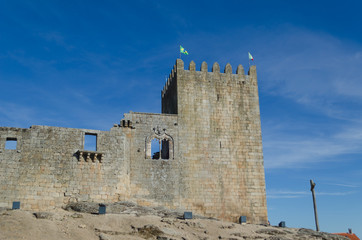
<point>219,139</point>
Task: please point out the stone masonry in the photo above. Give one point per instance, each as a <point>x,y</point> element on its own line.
<point>209,157</point>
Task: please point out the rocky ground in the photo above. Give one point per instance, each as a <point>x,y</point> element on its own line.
<point>125,220</point>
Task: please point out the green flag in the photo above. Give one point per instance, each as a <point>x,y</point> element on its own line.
<point>182,50</point>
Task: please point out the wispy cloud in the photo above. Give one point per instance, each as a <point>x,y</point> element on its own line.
<point>314,69</point>
<point>344,185</point>
<point>57,38</point>
<point>14,115</point>
<point>274,194</point>
<point>279,194</point>
<point>285,150</point>
<point>321,73</point>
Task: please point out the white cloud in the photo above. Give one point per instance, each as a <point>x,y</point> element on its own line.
<point>57,38</point>
<point>15,115</point>
<point>321,73</point>
<point>344,185</point>
<point>313,69</point>
<point>290,150</point>
<point>278,194</point>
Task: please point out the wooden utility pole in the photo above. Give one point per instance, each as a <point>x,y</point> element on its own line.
<point>312,185</point>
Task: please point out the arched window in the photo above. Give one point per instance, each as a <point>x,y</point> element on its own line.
<point>159,145</point>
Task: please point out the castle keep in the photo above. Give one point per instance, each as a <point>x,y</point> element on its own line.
<point>208,160</point>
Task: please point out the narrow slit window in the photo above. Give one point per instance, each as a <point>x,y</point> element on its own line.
<point>155,148</point>
<point>11,143</point>
<point>90,142</point>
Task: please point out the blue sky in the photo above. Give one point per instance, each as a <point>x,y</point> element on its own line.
<point>82,64</point>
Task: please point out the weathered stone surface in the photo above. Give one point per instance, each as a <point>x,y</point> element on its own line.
<point>149,231</point>
<point>126,207</point>
<point>103,236</point>
<point>210,160</point>
<point>76,215</point>
<point>23,225</point>
<point>271,231</point>
<point>85,207</point>
<point>43,215</point>
<point>304,233</point>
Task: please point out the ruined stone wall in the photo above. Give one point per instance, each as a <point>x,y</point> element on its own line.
<point>46,169</point>
<point>154,182</point>
<point>210,159</point>
<point>50,166</point>
<point>220,141</point>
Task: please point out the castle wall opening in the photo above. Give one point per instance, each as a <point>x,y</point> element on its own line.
<point>11,143</point>
<point>155,148</point>
<point>90,142</point>
<point>160,149</point>
<point>165,149</point>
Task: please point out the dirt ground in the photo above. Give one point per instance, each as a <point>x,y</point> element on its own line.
<point>131,223</point>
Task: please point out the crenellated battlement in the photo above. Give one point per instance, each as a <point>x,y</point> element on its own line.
<point>179,68</point>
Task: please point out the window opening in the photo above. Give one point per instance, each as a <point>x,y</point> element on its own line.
<point>159,145</point>
<point>11,143</point>
<point>165,149</point>
<point>90,142</point>
<point>155,148</point>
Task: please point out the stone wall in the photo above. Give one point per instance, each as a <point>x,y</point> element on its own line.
<point>210,157</point>
<point>154,181</point>
<point>45,170</point>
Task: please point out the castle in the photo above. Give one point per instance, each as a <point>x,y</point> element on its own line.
<point>208,156</point>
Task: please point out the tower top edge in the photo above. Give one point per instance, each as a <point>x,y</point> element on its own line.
<point>180,66</point>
